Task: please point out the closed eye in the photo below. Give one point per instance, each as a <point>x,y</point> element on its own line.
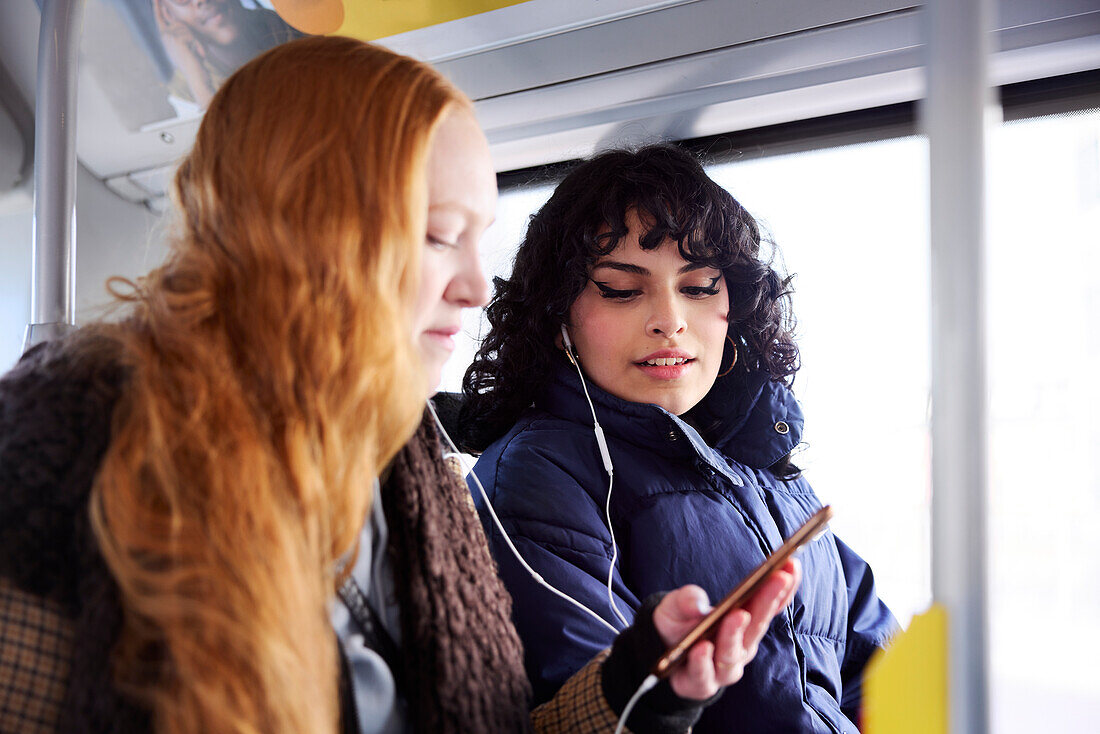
<point>607,291</point>
<point>702,291</point>
<point>440,244</point>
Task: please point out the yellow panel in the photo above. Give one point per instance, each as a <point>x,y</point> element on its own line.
<point>316,17</point>
<point>905,686</point>
<point>371,19</point>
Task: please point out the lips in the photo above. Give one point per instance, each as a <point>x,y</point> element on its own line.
<point>664,357</point>
<point>443,336</point>
<point>665,364</point>
<point>663,361</point>
<point>214,18</point>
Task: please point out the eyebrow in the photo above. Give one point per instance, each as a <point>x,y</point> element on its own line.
<point>451,208</point>
<point>639,270</point>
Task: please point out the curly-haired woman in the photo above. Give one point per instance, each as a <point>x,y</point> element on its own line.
<point>653,282</point>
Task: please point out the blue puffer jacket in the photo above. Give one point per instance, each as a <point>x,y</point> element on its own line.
<point>686,509</point>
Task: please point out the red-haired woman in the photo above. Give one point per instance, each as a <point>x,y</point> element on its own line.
<point>183,492</point>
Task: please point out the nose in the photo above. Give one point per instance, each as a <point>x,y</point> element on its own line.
<point>666,320</point>
<point>468,288</point>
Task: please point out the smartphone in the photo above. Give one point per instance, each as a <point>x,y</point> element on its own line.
<point>744,591</point>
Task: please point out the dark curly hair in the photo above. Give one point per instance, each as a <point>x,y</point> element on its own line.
<point>584,220</point>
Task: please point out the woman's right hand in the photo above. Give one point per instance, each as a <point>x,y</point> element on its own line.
<point>711,665</point>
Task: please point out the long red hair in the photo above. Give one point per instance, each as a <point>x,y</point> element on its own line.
<point>271,377</point>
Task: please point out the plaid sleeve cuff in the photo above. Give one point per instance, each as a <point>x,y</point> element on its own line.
<point>36,640</point>
<point>579,706</point>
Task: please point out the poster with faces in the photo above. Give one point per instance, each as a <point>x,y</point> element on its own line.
<point>162,60</point>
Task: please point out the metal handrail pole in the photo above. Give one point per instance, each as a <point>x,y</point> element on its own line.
<point>53,310</point>
<point>954,116</point>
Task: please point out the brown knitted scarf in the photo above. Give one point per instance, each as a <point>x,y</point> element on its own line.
<point>463,658</point>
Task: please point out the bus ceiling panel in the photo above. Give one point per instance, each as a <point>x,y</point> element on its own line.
<point>19,44</point>
<point>549,143</point>
<point>144,185</point>
<point>13,153</point>
<point>1060,44</point>
<point>549,68</point>
<point>535,20</point>
<point>1047,48</point>
<point>679,30</point>
<point>561,51</point>
<point>821,57</point>
<point>108,146</point>
<point>514,24</point>
<point>133,118</point>
<point>842,68</point>
<point>16,135</point>
<point>18,57</point>
<point>1012,13</point>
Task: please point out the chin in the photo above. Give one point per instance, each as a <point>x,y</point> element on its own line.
<point>434,378</point>
<point>676,406</point>
<point>224,35</point>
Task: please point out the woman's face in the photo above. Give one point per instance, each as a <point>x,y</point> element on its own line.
<point>650,327</point>
<point>213,21</point>
<point>462,198</point>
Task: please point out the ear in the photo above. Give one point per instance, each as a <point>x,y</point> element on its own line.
<point>170,18</point>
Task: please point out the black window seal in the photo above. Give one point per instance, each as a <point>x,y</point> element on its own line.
<point>1064,94</point>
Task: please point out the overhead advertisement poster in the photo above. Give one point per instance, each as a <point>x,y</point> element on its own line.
<point>160,61</point>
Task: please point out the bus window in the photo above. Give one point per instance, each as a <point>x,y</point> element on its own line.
<point>851,224</point>
<point>1044,440</point>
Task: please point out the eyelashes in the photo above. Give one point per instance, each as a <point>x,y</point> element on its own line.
<point>692,291</point>
<point>707,290</point>
<point>608,292</point>
<point>440,244</point>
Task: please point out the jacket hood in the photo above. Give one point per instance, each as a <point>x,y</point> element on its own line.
<point>751,418</point>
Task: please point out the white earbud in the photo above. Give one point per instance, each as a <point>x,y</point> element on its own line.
<point>568,343</point>
<point>601,440</point>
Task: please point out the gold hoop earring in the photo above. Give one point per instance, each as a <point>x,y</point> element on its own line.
<point>730,368</point>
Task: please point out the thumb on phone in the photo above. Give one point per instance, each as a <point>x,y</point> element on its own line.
<point>679,611</point>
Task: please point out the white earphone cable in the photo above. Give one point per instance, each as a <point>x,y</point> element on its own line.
<point>601,442</point>
<point>647,684</point>
<point>605,455</point>
<point>650,680</point>
<point>489,506</point>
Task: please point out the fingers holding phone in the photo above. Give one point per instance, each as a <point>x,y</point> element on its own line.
<point>720,660</point>
<point>776,593</point>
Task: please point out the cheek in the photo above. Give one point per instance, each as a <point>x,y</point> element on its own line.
<point>716,325</point>
<point>708,320</point>
<point>594,328</point>
<point>429,294</point>
<point>188,15</point>
<point>600,331</point>
<point>718,317</point>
